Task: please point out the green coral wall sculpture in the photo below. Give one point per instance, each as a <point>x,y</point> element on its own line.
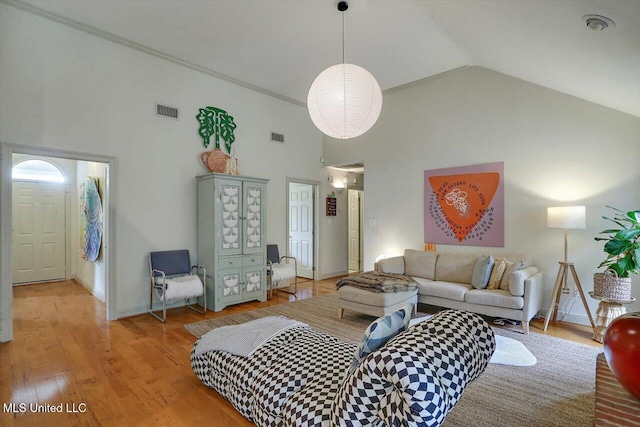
<point>217,123</point>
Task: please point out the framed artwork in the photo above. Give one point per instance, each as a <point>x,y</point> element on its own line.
<point>465,205</point>
<point>331,206</point>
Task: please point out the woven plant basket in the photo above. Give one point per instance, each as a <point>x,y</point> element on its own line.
<point>608,285</point>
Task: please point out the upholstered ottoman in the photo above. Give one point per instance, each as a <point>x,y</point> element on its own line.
<point>376,293</point>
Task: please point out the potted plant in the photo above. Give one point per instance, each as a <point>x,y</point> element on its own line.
<point>623,249</point>
<point>620,340</point>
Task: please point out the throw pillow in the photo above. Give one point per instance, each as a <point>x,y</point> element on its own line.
<point>496,274</point>
<point>482,272</point>
<point>504,282</point>
<point>379,332</point>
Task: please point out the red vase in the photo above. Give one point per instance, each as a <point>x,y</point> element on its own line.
<point>622,351</point>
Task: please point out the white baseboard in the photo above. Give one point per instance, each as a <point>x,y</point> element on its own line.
<point>135,311</point>
<point>571,318</point>
<point>94,292</point>
<point>334,274</point>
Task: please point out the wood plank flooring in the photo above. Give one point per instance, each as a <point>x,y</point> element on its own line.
<point>130,372</point>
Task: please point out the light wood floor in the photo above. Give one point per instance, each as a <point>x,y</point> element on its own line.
<point>130,372</point>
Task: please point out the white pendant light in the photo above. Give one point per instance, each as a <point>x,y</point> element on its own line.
<point>345,100</point>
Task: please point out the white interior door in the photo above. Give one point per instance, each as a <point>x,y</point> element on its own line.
<point>354,229</point>
<point>301,226</point>
<point>39,252</point>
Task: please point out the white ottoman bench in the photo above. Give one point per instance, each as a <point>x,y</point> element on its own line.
<point>376,293</point>
<point>372,303</point>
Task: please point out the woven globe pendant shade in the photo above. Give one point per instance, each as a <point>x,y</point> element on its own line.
<point>344,101</point>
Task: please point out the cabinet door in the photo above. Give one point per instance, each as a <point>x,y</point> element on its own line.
<point>254,217</point>
<point>229,285</point>
<point>228,211</point>
<point>254,285</point>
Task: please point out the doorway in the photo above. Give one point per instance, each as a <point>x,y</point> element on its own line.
<point>301,225</point>
<point>355,208</point>
<point>104,271</point>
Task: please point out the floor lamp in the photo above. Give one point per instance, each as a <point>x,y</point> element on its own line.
<point>567,217</point>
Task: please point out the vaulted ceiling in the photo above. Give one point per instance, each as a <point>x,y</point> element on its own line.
<point>280,46</point>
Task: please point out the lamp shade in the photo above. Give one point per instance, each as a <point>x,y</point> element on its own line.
<point>344,101</point>
<point>567,217</point>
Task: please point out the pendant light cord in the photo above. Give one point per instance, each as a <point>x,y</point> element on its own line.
<point>342,37</point>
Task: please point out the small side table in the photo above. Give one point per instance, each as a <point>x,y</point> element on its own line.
<point>608,309</point>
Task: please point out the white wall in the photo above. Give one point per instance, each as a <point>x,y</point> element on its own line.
<point>556,149</point>
<point>67,90</point>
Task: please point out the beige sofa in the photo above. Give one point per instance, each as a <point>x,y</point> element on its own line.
<point>444,280</point>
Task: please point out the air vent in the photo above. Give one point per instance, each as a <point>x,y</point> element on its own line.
<point>277,137</point>
<point>354,165</point>
<point>166,111</point>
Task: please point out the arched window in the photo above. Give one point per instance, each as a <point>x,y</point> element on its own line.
<point>37,170</point>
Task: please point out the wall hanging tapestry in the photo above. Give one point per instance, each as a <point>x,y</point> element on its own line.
<point>217,123</point>
<point>465,205</point>
<point>91,220</point>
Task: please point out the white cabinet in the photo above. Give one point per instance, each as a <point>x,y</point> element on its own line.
<point>231,238</point>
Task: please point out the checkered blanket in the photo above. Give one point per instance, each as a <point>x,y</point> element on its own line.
<point>299,377</point>
<point>378,281</point>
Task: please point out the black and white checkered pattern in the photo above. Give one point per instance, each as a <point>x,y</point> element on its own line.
<point>298,378</point>
<point>419,376</point>
<point>292,378</point>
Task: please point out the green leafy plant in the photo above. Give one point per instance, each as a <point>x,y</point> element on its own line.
<point>217,123</point>
<point>623,244</point>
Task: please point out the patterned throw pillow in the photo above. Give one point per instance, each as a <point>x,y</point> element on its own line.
<point>379,332</point>
<point>482,272</point>
<point>508,269</point>
<point>496,274</point>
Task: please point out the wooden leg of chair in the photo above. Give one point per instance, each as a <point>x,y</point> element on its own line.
<point>340,313</point>
<point>525,327</point>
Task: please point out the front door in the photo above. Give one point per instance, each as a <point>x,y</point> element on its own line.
<point>38,232</point>
<point>301,227</point>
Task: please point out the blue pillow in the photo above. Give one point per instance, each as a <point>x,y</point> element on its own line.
<point>482,272</point>
<point>381,331</point>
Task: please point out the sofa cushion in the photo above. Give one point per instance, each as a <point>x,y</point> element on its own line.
<point>517,278</point>
<point>379,332</point>
<point>392,265</point>
<point>455,267</point>
<point>420,263</point>
<point>494,298</point>
<point>482,272</point>
<point>449,290</point>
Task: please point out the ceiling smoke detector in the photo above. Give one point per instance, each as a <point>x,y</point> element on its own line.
<point>598,23</point>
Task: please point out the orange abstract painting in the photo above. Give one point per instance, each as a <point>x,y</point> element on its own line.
<point>465,205</point>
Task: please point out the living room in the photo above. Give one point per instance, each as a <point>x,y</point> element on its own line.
<point>68,90</point>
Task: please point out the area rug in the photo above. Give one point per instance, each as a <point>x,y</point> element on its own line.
<point>557,391</point>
